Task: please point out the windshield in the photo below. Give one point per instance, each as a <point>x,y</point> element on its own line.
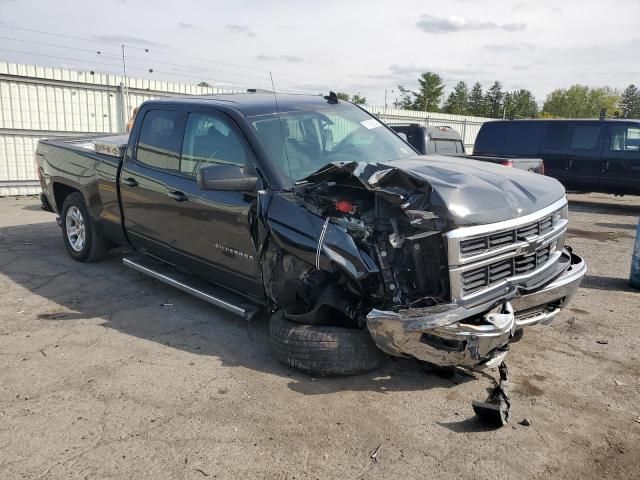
<point>316,137</point>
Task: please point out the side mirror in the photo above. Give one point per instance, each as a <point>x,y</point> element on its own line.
<point>225,177</point>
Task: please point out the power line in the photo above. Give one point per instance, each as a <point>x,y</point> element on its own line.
<point>103,42</point>
<point>232,82</point>
<point>156,50</point>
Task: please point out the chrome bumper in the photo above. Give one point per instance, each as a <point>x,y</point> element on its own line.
<point>452,335</point>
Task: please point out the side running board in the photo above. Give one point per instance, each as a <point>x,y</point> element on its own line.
<point>217,296</point>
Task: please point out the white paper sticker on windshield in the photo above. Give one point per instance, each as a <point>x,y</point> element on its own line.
<point>371,123</point>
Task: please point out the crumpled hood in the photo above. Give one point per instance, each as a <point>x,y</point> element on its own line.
<point>461,191</point>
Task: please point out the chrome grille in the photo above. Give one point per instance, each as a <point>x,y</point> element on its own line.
<point>473,246</point>
<point>479,278</point>
<point>484,259</point>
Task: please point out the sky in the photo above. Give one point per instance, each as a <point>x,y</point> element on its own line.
<point>355,46</point>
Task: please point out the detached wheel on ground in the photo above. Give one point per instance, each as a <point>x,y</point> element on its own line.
<point>323,350</point>
<point>81,236</point>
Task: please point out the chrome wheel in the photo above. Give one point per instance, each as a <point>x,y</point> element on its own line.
<point>76,233</point>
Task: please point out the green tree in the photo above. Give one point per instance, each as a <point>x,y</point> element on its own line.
<point>356,98</point>
<point>520,104</point>
<point>494,100</point>
<point>477,105</point>
<point>630,102</point>
<point>458,100</point>
<point>580,101</point>
<point>405,101</point>
<point>429,94</point>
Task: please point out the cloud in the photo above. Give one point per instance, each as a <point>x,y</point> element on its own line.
<point>125,39</point>
<point>240,29</point>
<point>186,25</point>
<point>433,24</point>
<point>283,58</point>
<point>290,58</point>
<point>510,47</point>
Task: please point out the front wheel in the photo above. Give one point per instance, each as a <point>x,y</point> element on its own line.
<point>323,350</point>
<point>81,236</point>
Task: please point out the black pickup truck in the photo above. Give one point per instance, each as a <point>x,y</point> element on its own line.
<point>444,140</point>
<point>316,213</point>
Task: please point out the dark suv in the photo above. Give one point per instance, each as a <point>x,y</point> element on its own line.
<point>585,155</point>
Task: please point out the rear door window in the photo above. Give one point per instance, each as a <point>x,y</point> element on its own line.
<point>491,138</point>
<point>158,143</point>
<point>585,137</point>
<point>524,139</point>
<point>625,138</point>
<point>557,137</point>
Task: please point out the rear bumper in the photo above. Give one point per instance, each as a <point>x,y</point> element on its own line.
<point>452,335</point>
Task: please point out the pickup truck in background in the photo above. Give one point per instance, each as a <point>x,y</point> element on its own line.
<point>316,213</point>
<point>584,155</point>
<point>445,140</point>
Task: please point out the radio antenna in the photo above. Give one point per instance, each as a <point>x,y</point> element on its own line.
<point>284,142</point>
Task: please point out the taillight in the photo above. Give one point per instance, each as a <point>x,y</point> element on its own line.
<point>541,168</point>
<point>507,163</point>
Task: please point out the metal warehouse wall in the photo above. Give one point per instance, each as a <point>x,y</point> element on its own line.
<point>43,102</point>
<point>40,102</point>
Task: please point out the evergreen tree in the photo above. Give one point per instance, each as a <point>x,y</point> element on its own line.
<point>458,100</point>
<point>630,102</point>
<point>520,104</point>
<point>477,106</point>
<point>406,99</point>
<point>429,93</point>
<point>494,100</point>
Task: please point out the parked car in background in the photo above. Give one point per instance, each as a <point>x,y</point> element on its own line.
<point>445,140</point>
<point>429,140</point>
<point>584,155</point>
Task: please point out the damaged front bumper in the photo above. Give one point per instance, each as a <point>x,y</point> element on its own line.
<point>452,335</point>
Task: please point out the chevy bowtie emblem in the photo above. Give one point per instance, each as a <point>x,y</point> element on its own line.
<point>533,244</point>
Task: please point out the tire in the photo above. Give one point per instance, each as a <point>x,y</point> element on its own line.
<point>322,350</point>
<point>81,236</point>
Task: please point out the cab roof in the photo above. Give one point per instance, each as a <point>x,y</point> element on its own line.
<point>251,104</point>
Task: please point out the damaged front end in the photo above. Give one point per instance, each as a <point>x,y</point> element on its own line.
<point>386,248</point>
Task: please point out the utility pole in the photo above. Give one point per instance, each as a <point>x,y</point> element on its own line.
<point>125,90</point>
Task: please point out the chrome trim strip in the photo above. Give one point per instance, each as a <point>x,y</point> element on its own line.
<point>218,302</point>
<point>456,280</point>
<point>454,237</point>
<point>513,249</point>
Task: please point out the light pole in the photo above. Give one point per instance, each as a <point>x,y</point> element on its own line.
<point>385,97</point>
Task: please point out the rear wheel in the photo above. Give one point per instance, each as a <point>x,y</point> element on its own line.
<point>81,236</point>
<point>323,350</point>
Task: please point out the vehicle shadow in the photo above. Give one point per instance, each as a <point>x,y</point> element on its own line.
<point>33,256</point>
<point>610,208</point>
<point>619,226</point>
<point>598,282</point>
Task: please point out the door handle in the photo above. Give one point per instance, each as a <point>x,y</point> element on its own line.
<point>569,164</point>
<point>130,182</point>
<point>178,196</point>
<point>605,166</point>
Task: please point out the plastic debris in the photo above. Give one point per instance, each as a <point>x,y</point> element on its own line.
<point>494,410</point>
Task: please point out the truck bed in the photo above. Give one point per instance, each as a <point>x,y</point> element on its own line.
<point>535,165</point>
